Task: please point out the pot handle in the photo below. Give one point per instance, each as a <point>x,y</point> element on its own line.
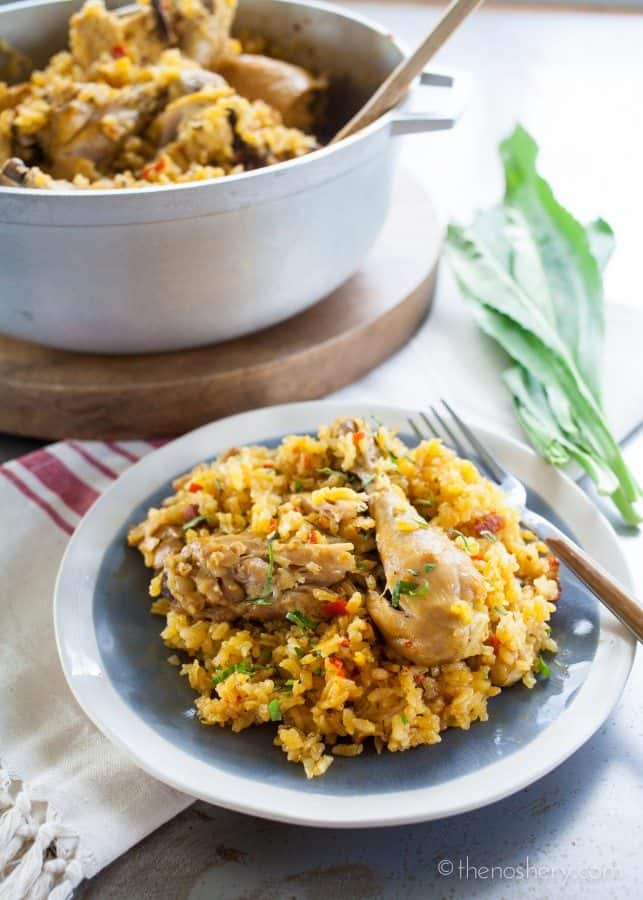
<point>408,122</point>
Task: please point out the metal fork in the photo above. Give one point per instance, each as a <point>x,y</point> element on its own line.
<point>449,427</point>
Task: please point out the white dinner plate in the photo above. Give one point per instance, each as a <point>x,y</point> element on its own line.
<point>115,662</point>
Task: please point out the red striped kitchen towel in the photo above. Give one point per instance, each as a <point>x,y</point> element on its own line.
<point>70,802</point>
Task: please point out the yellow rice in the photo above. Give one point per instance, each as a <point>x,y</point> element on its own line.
<point>338,687</point>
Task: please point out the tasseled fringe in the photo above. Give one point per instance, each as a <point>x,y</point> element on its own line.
<point>38,855</point>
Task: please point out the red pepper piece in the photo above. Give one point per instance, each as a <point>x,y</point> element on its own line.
<point>335,608</point>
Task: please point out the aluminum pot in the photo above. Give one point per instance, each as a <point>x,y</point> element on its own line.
<point>166,268</point>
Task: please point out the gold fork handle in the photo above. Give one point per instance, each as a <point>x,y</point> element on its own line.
<point>610,592</point>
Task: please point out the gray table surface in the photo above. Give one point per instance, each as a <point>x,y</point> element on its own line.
<point>577,832</point>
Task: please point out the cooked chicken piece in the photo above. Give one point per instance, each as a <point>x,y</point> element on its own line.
<point>225,577</point>
<point>434,582</point>
<point>87,132</point>
<point>287,88</point>
<point>203,28</point>
<point>93,32</point>
<point>434,585</point>
<point>200,29</point>
<point>165,127</point>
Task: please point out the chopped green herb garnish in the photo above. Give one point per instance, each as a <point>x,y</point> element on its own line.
<point>274,711</point>
<point>427,501</point>
<point>421,523</point>
<point>288,685</point>
<point>299,652</point>
<point>429,567</point>
<point>410,588</point>
<point>194,521</point>
<point>266,598</point>
<point>298,486</point>
<point>393,457</point>
<point>318,671</point>
<point>245,667</point>
<point>404,718</point>
<point>327,471</point>
<point>465,540</point>
<point>543,668</point>
<point>500,610</point>
<point>301,619</point>
<point>489,535</point>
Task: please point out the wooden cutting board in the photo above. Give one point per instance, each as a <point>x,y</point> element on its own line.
<point>54,394</point>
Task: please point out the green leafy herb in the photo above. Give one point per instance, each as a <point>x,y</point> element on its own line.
<point>410,589</point>
<point>299,652</point>
<point>395,459</point>
<point>429,567</point>
<point>543,668</point>
<point>298,486</point>
<point>424,501</point>
<point>533,274</point>
<point>404,718</point>
<point>274,711</point>
<point>301,619</point>
<point>459,534</point>
<point>266,598</point>
<point>245,667</point>
<point>288,685</point>
<point>327,471</point>
<point>195,521</point>
<point>421,523</point>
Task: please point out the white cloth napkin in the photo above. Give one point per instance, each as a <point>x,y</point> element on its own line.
<point>63,787</point>
<point>62,784</point>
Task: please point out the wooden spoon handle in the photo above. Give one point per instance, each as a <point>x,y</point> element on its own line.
<point>398,82</point>
<point>615,597</point>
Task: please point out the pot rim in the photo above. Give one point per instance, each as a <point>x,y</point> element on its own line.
<point>153,191</point>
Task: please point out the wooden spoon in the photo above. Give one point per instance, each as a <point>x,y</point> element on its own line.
<point>398,82</point>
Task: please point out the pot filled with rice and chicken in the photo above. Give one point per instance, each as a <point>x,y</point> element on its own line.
<point>347,590</point>
<point>163,176</point>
